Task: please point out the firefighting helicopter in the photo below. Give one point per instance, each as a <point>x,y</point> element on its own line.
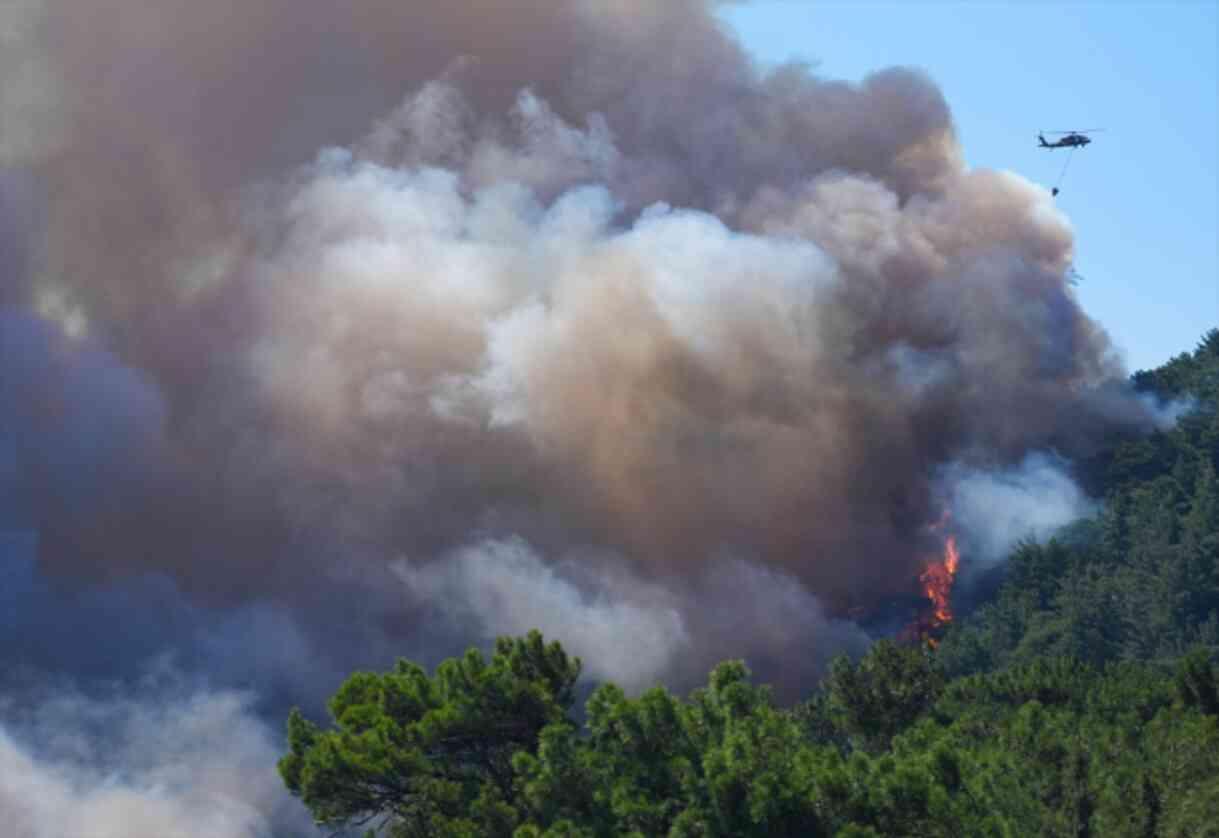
<point>1070,139</point>
<point>1067,139</point>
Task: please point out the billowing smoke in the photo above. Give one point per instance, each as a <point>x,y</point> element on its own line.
<point>997,509</point>
<point>342,331</point>
<point>186,764</point>
<point>627,629</point>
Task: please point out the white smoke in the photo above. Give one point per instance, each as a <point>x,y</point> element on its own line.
<point>1166,414</point>
<point>994,510</point>
<point>29,98</point>
<point>181,765</point>
<point>636,632</point>
<point>624,629</point>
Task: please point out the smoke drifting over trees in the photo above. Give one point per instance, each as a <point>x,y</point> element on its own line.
<point>378,329</point>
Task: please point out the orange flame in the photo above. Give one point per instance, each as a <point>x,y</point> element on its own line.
<point>937,582</point>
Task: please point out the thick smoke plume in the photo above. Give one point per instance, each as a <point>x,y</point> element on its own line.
<point>340,331</point>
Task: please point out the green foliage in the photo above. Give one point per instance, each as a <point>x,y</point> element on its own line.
<point>724,762</point>
<point>431,755</point>
<point>883,694</point>
<point>1141,580</point>
<point>1196,682</point>
<point>1054,747</point>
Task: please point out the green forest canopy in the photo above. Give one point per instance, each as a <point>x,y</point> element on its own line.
<point>1083,700</point>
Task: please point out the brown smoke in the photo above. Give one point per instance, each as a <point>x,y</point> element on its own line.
<point>404,278</point>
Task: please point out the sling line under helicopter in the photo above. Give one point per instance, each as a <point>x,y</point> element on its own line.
<point>1063,172</point>
<point>1069,140</point>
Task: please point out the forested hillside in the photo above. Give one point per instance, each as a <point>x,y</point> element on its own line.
<point>1140,581</point>
<point>1083,700</point>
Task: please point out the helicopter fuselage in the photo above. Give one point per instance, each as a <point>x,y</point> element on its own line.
<point>1069,141</point>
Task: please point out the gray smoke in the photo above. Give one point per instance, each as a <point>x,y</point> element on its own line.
<point>627,629</point>
<point>171,763</point>
<point>337,332</point>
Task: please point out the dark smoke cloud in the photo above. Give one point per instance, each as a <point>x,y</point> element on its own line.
<point>340,331</point>
<point>81,431</point>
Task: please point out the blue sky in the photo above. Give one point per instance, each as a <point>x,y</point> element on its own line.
<point>1142,198</point>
